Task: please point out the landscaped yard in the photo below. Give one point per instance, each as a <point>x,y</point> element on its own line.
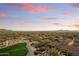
<point>15,50</point>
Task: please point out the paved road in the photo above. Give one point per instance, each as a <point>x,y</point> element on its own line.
<point>28,45</point>
<point>30,49</point>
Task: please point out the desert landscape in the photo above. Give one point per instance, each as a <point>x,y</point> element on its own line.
<point>39,29</point>
<point>39,43</point>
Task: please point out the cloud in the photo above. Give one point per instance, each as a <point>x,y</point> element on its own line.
<point>76,18</point>
<point>66,14</point>
<point>2,14</point>
<point>75,6</point>
<point>74,25</point>
<point>58,24</point>
<point>53,18</point>
<point>11,17</point>
<point>30,7</point>
<point>24,24</point>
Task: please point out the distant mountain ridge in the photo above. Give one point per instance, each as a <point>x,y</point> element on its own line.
<point>45,30</point>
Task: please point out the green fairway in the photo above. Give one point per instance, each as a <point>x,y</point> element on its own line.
<point>15,50</point>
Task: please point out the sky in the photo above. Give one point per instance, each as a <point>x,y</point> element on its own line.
<point>39,16</point>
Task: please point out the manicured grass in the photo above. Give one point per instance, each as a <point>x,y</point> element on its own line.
<point>15,50</point>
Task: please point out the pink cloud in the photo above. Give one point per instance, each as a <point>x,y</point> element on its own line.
<point>24,24</point>
<point>76,18</point>
<point>74,25</point>
<point>2,14</point>
<point>66,14</point>
<point>30,7</point>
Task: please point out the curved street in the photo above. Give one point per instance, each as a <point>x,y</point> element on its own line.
<point>30,49</point>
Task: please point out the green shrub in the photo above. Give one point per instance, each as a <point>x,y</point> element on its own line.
<point>53,52</point>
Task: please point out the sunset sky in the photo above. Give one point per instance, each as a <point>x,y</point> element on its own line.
<point>39,17</point>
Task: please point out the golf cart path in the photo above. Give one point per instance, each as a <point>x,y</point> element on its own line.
<point>30,49</point>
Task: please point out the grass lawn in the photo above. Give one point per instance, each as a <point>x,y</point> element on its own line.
<point>15,50</point>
